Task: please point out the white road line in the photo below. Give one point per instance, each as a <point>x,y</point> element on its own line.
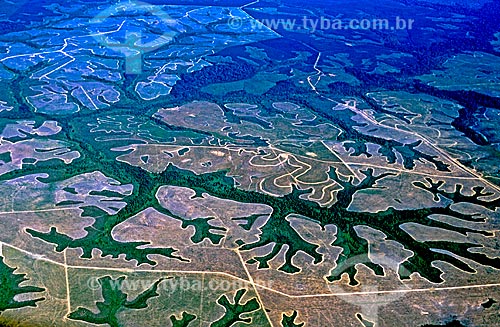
<point>198,272</point>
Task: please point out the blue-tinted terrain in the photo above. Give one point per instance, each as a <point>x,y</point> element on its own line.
<point>238,163</point>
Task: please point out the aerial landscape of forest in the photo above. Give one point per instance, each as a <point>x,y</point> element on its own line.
<point>249,163</point>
